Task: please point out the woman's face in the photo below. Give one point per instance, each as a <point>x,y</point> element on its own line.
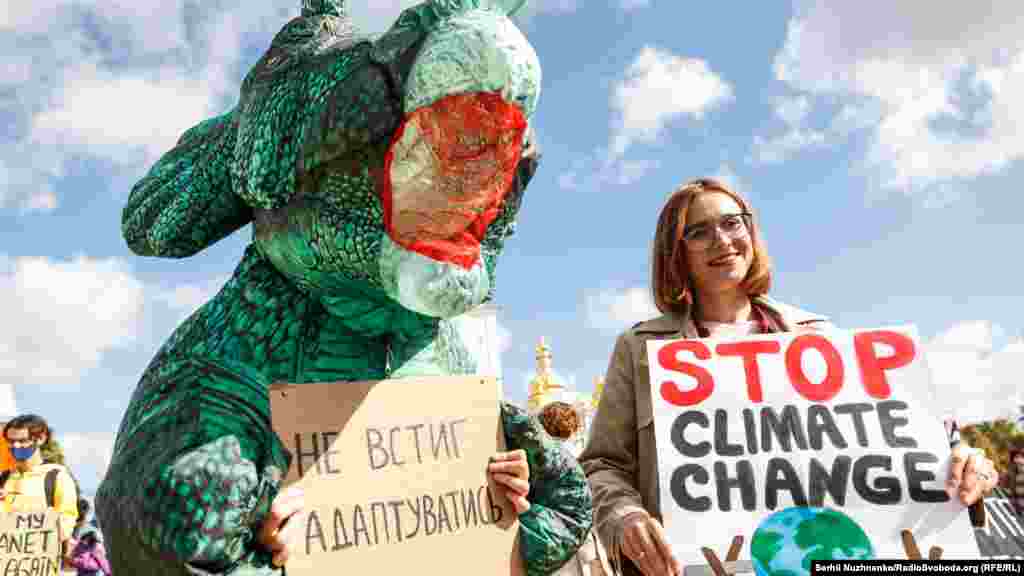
<point>718,243</point>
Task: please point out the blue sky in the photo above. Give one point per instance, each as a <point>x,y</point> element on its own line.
<point>880,144</point>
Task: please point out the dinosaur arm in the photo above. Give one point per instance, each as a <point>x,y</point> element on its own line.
<point>560,514</point>
<point>185,203</point>
<point>194,470</point>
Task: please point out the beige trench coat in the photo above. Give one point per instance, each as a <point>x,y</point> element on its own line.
<point>621,459</point>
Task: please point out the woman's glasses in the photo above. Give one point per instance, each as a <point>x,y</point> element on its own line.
<point>702,235</point>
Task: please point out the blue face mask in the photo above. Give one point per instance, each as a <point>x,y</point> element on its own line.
<point>22,453</point>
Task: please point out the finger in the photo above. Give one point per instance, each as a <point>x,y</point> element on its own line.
<point>280,512</point>
<point>661,542</point>
<point>650,558</point>
<point>971,486</point>
<point>969,477</point>
<point>517,485</point>
<point>993,475</point>
<point>509,456</point>
<point>514,468</point>
<point>630,542</point>
<point>520,503</point>
<point>956,469</point>
<point>284,506</point>
<point>280,558</point>
<point>285,537</point>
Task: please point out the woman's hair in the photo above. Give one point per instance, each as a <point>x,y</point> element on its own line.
<point>670,261</point>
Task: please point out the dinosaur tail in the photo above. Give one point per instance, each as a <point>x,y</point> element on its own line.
<point>186,201</point>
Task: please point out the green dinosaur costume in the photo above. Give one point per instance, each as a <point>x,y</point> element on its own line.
<point>382,178</point>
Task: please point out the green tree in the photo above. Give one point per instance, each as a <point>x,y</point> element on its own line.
<point>996,438</point>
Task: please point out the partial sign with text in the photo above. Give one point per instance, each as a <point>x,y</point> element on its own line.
<point>394,475</point>
<point>29,544</point>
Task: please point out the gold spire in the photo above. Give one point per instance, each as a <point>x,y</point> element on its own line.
<point>542,351</point>
<point>544,384</point>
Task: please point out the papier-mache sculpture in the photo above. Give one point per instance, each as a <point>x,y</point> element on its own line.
<point>382,177</point>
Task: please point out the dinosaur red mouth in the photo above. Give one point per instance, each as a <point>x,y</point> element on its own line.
<point>446,174</point>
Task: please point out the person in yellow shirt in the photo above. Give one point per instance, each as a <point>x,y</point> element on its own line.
<point>6,460</point>
<point>34,485</point>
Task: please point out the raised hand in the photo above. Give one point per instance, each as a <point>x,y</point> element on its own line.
<point>277,533</point>
<point>511,473</point>
<point>971,475</point>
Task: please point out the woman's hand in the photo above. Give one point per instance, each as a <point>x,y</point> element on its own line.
<point>644,542</point>
<point>277,532</point>
<point>511,473</point>
<point>971,475</point>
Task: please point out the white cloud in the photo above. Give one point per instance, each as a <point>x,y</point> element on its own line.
<point>778,149</point>
<point>612,311</point>
<point>796,135</point>
<point>88,455</point>
<point>377,16</point>
<point>975,380</point>
<point>792,111</point>
<point>113,115</point>
<point>100,82</point>
<point>628,171</point>
<point>728,176</point>
<point>597,170</point>
<point>944,86</point>
<point>187,298</point>
<point>659,87</point>
<point>60,316</point>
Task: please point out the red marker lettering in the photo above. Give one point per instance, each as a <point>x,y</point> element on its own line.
<point>749,351</point>
<point>705,383</point>
<point>833,380</point>
<point>872,367</point>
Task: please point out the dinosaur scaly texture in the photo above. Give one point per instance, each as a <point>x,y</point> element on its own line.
<point>365,246</point>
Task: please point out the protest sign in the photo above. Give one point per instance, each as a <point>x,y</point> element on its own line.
<point>395,476</point>
<point>752,428</point>
<point>29,544</point>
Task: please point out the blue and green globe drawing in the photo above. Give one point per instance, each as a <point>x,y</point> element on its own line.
<point>786,542</point>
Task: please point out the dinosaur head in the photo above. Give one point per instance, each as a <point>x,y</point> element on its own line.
<point>441,136</point>
<point>451,166</point>
<point>391,167</point>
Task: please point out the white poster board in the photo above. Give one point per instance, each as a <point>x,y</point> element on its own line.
<point>839,419</point>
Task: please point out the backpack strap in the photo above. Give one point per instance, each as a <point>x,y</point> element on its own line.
<point>50,486</point>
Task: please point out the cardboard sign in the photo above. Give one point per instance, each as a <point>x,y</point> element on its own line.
<point>29,543</point>
<point>395,476</point>
<point>839,420</point>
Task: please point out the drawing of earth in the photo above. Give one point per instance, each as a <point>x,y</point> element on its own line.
<point>786,542</point>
